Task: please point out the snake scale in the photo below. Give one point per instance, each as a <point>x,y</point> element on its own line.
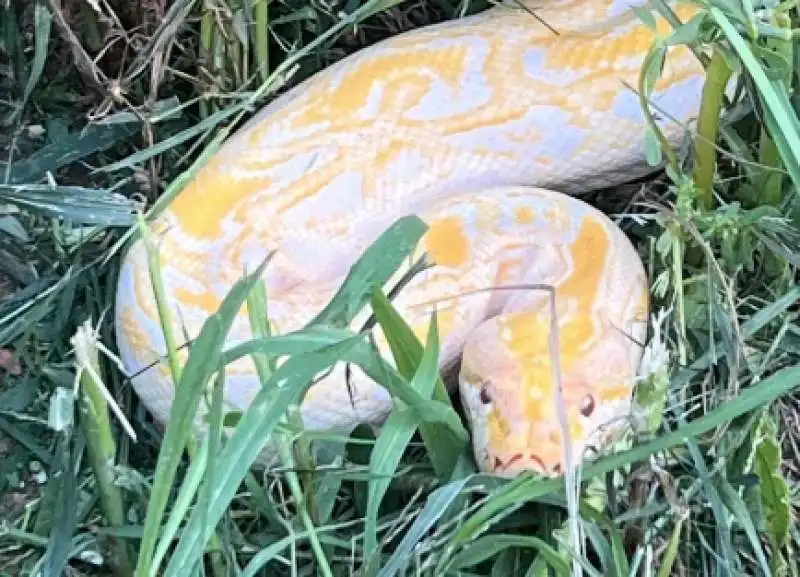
<point>487,127</point>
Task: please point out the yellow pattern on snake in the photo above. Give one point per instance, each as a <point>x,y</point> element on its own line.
<point>487,127</point>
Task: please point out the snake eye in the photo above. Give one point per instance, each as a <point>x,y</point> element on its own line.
<point>485,398</point>
<point>587,405</point>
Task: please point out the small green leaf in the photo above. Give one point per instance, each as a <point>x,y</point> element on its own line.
<point>767,461</point>
<point>668,560</point>
<point>654,65</point>
<point>652,147</point>
<point>688,33</point>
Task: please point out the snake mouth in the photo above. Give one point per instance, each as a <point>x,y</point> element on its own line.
<point>520,462</point>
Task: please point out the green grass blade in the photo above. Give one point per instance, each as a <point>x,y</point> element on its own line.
<point>68,149</point>
<point>188,490</point>
<point>203,360</point>
<point>43,24</point>
<point>204,126</point>
<point>443,446</point>
<point>489,546</point>
<point>257,423</point>
<point>724,542</point>
<point>524,488</point>
<point>76,204</point>
<point>313,338</point>
<point>668,561</point>
<point>436,506</point>
<point>395,435</point>
<point>265,366</point>
<point>375,267</point>
<point>616,546</point>
<point>782,121</point>
<point>739,510</point>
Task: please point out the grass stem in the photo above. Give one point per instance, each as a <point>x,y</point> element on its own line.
<point>206,41</point>
<point>265,366</point>
<point>101,447</point>
<point>705,152</point>
<point>175,370</point>
<point>261,32</point>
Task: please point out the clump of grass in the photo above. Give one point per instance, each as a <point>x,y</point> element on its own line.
<point>705,488</point>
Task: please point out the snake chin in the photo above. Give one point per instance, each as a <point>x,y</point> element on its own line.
<point>513,464</point>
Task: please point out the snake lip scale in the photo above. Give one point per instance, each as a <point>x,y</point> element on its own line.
<point>489,128</point>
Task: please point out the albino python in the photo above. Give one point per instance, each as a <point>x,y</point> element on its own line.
<point>486,127</point>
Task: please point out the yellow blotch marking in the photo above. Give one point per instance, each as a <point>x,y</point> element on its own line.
<point>137,338</point>
<point>589,254</point>
<point>554,450</point>
<point>207,301</point>
<point>498,427</point>
<point>539,409</point>
<point>556,217</point>
<point>575,427</point>
<point>306,186</point>
<point>612,393</point>
<point>447,242</point>
<point>644,301</point>
<point>527,334</point>
<point>486,116</point>
<point>142,287</point>
<point>386,155</point>
<point>200,207</point>
<point>581,52</point>
<point>524,215</point>
<point>405,81</point>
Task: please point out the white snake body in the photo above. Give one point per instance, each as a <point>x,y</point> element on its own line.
<point>485,127</point>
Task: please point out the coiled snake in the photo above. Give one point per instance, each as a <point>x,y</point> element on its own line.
<point>487,127</point>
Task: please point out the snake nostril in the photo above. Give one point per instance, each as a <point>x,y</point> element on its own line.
<point>587,405</point>
<point>485,397</point>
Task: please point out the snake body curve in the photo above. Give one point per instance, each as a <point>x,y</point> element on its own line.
<point>487,127</point>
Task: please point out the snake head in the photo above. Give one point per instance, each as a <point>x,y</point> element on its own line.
<point>508,391</point>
